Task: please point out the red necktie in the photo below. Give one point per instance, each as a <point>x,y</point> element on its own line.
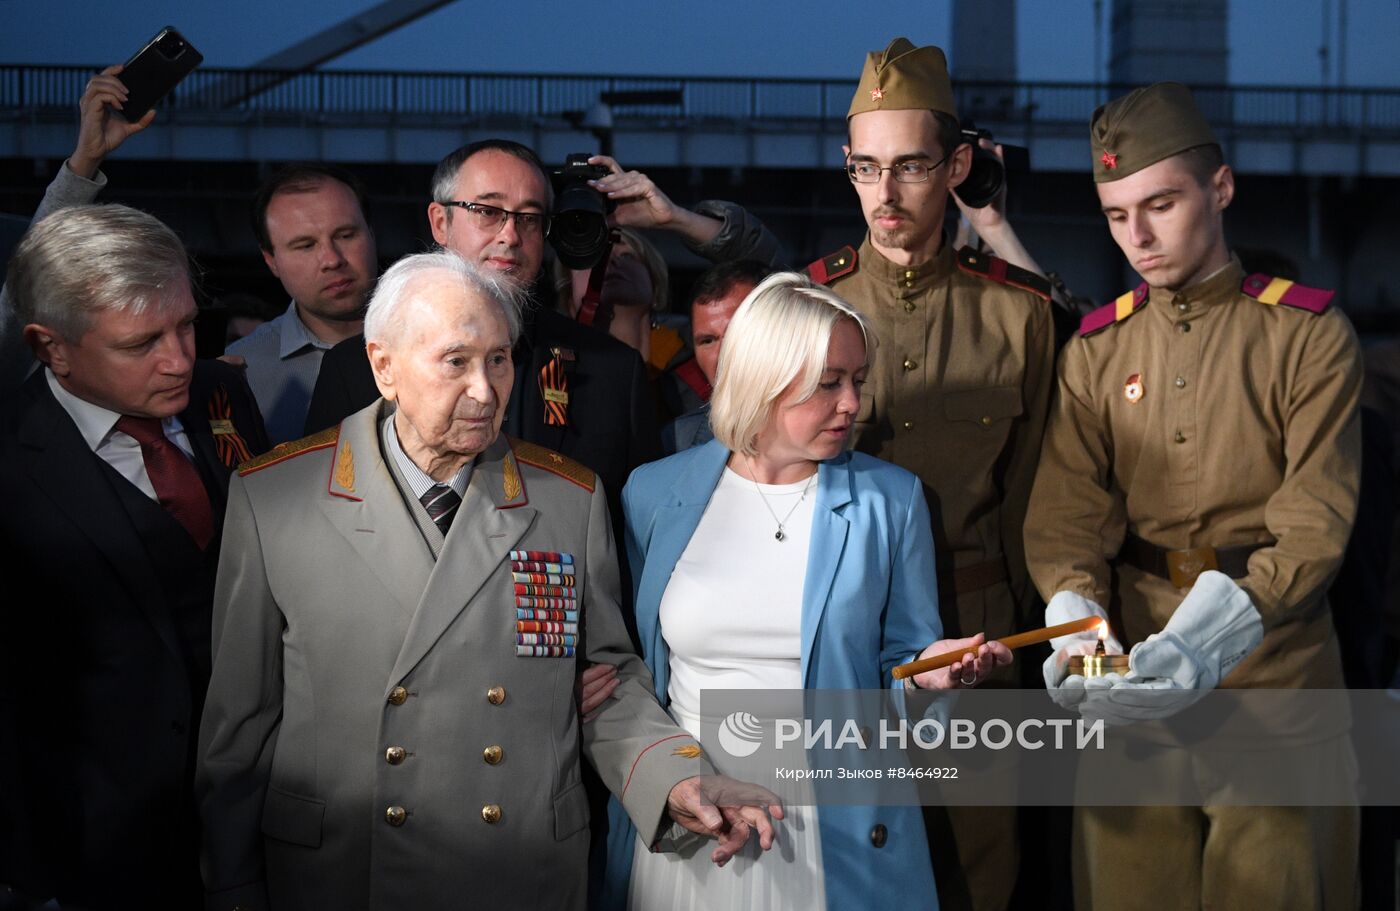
<point>175,480</point>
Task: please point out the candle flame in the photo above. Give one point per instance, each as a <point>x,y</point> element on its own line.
<point>1103,631</point>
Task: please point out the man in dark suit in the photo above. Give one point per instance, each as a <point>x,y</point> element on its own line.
<point>114,465</point>
<point>577,390</point>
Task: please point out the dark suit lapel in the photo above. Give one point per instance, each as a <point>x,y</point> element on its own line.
<point>195,421</point>
<point>488,526</point>
<point>548,435</point>
<point>222,426</point>
<point>61,464</point>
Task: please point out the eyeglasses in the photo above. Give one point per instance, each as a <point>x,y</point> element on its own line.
<point>912,170</point>
<point>490,218</point>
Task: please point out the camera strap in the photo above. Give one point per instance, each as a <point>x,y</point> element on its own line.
<point>590,311</point>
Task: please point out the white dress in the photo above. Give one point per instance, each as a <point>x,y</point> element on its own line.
<point>731,617</point>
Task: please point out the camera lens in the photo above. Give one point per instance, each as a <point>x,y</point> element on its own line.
<point>170,46</point>
<point>983,181</point>
<point>579,229</point>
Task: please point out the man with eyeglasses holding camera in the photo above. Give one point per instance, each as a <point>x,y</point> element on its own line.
<point>958,393</point>
<point>578,391</point>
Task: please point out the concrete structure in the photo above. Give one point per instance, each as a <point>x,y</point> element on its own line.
<point>1169,40</point>
<point>1317,167</point>
<point>984,41</point>
<point>736,123</point>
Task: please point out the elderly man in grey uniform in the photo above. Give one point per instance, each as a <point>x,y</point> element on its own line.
<point>400,608</point>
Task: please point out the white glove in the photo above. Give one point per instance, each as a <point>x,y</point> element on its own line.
<point>1114,700</point>
<point>1212,630</point>
<point>1064,607</point>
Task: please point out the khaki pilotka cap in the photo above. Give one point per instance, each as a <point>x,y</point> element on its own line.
<point>903,78</point>
<point>1144,127</point>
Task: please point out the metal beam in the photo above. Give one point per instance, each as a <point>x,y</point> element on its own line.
<point>324,46</point>
<point>348,34</point>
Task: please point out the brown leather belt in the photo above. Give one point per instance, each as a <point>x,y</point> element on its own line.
<point>1181,567</point>
<point>978,576</point>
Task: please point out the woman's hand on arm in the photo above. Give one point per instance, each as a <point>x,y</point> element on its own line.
<point>595,686</point>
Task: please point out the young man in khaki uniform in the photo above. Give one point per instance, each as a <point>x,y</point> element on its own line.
<point>957,391</point>
<point>1198,480</point>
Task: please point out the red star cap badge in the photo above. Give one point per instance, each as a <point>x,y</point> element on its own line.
<point>1109,160</point>
<point>877,94</point>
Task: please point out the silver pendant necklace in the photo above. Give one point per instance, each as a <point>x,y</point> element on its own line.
<point>780,534</point>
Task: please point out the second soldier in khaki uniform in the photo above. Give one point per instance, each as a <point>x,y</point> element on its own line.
<point>957,392</point>
<point>1205,421</point>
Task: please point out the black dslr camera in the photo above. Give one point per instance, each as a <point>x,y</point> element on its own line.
<point>987,175</point>
<point>579,229</point>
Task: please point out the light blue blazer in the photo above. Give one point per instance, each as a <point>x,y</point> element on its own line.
<point>870,601</point>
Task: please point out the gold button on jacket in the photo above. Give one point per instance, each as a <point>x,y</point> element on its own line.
<point>341,586</point>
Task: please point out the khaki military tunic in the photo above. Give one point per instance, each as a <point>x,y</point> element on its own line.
<point>1243,429</point>
<point>958,389</point>
<point>957,393</point>
<point>1206,418</point>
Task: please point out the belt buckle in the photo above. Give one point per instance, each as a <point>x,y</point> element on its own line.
<point>1183,566</point>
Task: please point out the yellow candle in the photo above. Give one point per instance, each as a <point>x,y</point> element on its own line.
<point>1020,640</point>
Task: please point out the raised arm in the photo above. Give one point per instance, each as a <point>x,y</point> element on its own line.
<point>719,231</point>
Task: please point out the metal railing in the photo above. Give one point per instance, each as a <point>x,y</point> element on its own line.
<point>402,95</point>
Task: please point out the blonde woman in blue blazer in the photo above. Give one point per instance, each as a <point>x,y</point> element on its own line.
<point>772,557</point>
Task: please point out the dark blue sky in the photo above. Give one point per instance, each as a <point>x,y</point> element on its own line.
<point>1271,41</point>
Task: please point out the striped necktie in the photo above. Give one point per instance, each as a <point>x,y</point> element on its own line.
<point>441,502</point>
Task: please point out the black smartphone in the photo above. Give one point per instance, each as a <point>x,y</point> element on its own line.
<point>156,69</point>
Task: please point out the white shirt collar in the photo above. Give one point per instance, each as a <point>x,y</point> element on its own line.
<point>419,481</point>
<point>95,423</point>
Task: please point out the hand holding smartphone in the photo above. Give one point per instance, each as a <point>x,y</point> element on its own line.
<point>156,69</point>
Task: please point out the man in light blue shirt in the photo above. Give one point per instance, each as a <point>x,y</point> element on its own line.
<point>311,228</point>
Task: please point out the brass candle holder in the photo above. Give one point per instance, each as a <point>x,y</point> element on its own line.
<point>1099,664</point>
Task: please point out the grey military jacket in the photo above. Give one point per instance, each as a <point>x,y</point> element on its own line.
<point>376,735</point>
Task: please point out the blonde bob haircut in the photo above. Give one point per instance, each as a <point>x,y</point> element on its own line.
<point>779,337</point>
